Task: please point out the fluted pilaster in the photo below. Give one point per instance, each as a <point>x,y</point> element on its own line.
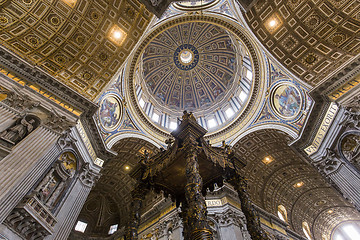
<point>20,169</point>
<point>7,117</point>
<point>348,183</point>
<point>70,210</point>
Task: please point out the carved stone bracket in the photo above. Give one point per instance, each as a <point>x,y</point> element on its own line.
<point>18,100</point>
<point>58,123</point>
<point>352,119</point>
<point>88,177</point>
<point>66,140</point>
<point>329,163</point>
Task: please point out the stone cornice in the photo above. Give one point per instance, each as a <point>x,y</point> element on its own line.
<point>33,74</point>
<point>322,102</point>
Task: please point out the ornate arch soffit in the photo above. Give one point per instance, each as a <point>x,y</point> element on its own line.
<point>119,137</point>
<point>258,90</point>
<point>283,128</point>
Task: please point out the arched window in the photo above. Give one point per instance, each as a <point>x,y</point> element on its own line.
<point>306,230</point>
<point>282,213</point>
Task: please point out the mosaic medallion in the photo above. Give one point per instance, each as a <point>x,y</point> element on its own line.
<point>286,101</point>
<point>110,112</point>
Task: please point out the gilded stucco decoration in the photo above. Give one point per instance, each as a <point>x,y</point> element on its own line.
<point>73,41</point>
<point>312,39</point>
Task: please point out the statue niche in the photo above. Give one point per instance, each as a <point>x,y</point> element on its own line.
<point>19,130</point>
<point>51,188</point>
<point>350,148</point>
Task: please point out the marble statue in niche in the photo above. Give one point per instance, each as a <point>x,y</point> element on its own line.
<point>350,147</point>
<point>46,187</point>
<point>19,130</point>
<point>51,188</point>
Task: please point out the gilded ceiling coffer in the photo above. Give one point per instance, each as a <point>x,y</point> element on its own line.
<point>185,170</point>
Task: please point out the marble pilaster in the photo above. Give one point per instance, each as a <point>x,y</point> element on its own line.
<point>23,165</point>
<point>348,183</point>
<point>73,204</point>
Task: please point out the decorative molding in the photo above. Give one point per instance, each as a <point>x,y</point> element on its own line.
<point>19,100</point>
<point>88,176</point>
<point>58,123</point>
<point>329,163</point>
<point>33,74</point>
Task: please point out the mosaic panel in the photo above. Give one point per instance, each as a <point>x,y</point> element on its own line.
<point>110,112</point>
<point>286,101</point>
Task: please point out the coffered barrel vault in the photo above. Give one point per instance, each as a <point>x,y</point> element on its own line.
<point>311,38</point>
<point>92,93</point>
<point>81,43</point>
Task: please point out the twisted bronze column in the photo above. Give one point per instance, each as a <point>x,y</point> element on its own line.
<point>252,219</point>
<point>138,195</point>
<point>196,226</point>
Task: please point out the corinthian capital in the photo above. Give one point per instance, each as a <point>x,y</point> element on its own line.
<point>19,100</point>
<point>329,163</point>
<point>66,140</point>
<point>88,177</point>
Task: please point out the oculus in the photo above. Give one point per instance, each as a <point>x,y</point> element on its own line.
<point>193,5</point>
<point>186,57</point>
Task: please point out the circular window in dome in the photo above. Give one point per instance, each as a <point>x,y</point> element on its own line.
<point>193,5</point>
<point>286,100</point>
<point>186,57</point>
<point>199,67</point>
